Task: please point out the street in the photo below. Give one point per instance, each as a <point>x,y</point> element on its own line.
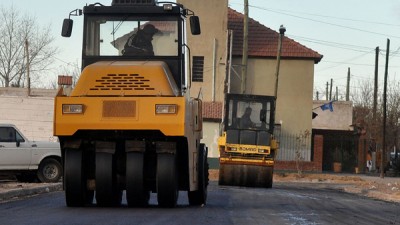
<point>285,203</point>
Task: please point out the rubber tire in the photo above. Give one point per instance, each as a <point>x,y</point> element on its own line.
<point>199,197</point>
<point>76,193</point>
<point>107,193</point>
<point>136,193</point>
<point>50,171</point>
<point>167,180</point>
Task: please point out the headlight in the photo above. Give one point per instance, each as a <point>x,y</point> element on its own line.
<point>167,7</point>
<point>232,149</point>
<point>263,151</point>
<point>72,109</point>
<point>166,109</point>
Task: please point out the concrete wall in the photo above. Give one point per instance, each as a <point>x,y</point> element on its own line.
<point>210,137</point>
<point>294,100</point>
<point>211,44</point>
<point>32,115</point>
<point>340,119</point>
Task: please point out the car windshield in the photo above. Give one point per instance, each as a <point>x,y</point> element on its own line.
<point>116,36</point>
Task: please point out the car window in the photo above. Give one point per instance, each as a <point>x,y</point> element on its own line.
<point>7,134</point>
<point>19,137</point>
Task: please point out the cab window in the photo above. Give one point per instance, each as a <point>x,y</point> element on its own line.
<point>116,36</point>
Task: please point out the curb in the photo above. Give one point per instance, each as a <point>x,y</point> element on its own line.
<point>19,193</point>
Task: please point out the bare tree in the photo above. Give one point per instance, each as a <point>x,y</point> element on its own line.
<point>362,112</point>
<point>393,123</point>
<point>16,30</point>
<point>362,98</point>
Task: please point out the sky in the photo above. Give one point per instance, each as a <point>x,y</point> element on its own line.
<point>345,32</point>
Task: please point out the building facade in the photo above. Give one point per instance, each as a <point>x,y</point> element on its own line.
<point>221,70</point>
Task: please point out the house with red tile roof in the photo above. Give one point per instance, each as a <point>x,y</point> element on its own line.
<point>216,65</point>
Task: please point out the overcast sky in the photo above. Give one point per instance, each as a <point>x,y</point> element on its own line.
<point>346,32</point>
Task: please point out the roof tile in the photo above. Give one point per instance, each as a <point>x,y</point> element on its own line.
<point>212,110</point>
<point>263,42</point>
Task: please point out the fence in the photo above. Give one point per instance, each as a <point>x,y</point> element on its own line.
<point>294,147</point>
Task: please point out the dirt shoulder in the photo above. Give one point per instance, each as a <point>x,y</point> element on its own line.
<point>387,189</point>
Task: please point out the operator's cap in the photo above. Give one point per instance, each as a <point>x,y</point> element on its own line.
<point>150,29</point>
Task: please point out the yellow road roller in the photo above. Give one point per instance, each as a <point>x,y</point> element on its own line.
<point>130,124</point>
<point>247,145</point>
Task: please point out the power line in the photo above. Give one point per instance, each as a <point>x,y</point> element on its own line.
<point>324,22</point>
<point>333,44</point>
<point>345,61</point>
<point>355,64</point>
<point>68,63</point>
<point>332,17</point>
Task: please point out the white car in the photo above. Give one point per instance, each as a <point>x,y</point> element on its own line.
<point>28,160</point>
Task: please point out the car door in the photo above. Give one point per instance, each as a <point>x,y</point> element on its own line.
<point>15,152</point>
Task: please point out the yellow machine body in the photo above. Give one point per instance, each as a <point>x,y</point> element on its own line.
<point>123,109</point>
<point>125,96</point>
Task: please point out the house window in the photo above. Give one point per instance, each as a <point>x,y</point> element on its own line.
<point>198,68</point>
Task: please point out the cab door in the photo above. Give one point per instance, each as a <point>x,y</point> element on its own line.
<point>15,152</point>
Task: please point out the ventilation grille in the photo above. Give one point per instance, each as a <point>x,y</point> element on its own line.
<point>119,109</point>
<point>122,82</point>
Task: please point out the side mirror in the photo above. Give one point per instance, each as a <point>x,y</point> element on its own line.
<point>18,143</point>
<point>67,28</point>
<point>195,25</point>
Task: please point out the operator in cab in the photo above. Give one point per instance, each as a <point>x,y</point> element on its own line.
<point>140,42</point>
<point>245,121</point>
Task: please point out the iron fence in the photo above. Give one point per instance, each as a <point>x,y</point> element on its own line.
<point>294,147</point>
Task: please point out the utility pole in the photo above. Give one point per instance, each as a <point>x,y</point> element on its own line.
<point>327,93</point>
<point>228,61</point>
<point>375,84</point>
<point>282,31</point>
<point>330,92</point>
<point>245,45</point>
<point>28,78</point>
<point>383,157</point>
<point>348,85</point>
<point>317,95</point>
<point>337,94</point>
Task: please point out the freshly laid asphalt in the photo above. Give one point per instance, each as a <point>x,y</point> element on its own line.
<point>21,191</point>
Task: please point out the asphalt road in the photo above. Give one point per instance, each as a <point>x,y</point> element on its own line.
<point>285,203</point>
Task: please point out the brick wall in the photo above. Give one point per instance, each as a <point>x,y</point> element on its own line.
<point>315,165</point>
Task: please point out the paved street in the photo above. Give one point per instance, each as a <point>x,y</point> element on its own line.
<point>286,203</point>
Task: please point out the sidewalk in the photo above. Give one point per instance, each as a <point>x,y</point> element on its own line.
<point>10,190</point>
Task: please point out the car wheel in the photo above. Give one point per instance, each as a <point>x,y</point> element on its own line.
<point>49,171</point>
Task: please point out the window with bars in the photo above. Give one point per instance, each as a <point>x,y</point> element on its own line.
<point>198,68</point>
